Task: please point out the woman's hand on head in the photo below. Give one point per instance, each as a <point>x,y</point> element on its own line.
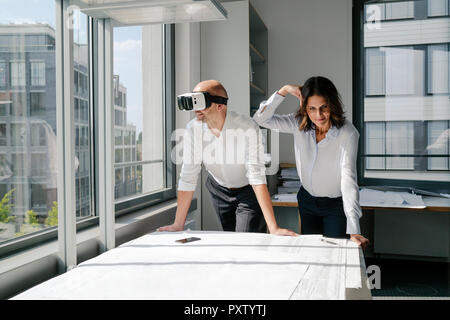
<point>292,89</point>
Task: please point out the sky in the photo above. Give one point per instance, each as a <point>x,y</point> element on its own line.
<point>127,47</point>
<point>128,65</point>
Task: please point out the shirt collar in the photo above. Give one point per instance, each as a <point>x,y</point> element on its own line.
<point>225,125</point>
<point>333,132</point>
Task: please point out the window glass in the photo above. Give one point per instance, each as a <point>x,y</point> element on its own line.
<point>28,155</point>
<point>38,73</point>
<point>437,8</point>
<point>83,175</point>
<point>138,64</point>
<point>2,73</point>
<point>399,10</point>
<point>438,69</point>
<point>406,104</point>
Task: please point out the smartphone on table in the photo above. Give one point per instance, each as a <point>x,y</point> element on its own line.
<point>186,240</point>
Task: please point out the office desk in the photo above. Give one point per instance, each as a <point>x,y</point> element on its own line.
<point>394,230</point>
<point>222,265</point>
<point>434,204</point>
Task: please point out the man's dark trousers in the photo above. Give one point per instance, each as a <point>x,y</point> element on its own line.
<point>238,209</point>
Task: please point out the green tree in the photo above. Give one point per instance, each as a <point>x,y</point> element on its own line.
<point>52,219</point>
<point>5,208</point>
<point>31,218</point>
<point>31,224</point>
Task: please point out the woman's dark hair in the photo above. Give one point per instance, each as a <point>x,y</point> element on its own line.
<point>323,87</point>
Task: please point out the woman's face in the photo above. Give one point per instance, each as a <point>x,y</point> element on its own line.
<point>318,111</point>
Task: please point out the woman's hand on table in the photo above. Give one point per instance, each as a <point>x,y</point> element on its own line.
<point>360,240</point>
<point>282,232</point>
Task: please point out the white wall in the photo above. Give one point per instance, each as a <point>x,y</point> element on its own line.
<point>307,38</point>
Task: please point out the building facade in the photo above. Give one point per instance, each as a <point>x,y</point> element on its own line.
<point>407,87</point>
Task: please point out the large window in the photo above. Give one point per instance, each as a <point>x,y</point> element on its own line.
<point>143,106</point>
<point>27,118</point>
<point>402,109</point>
<point>29,88</point>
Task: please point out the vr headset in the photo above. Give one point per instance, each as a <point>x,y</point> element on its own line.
<point>198,101</point>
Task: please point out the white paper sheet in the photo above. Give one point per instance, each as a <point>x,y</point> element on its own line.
<point>376,198</point>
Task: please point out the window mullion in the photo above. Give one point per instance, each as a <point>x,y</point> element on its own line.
<point>65,137</point>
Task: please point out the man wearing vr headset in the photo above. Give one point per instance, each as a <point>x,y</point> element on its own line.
<point>238,190</point>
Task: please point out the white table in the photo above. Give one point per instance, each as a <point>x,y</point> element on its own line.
<point>222,265</point>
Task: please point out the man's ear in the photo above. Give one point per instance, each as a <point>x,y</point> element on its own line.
<point>221,107</point>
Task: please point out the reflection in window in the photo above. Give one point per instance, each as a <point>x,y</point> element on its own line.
<point>37,103</point>
<point>118,137</point>
<point>437,8</point>
<point>18,74</point>
<point>375,144</point>
<point>438,144</point>
<point>38,73</point>
<point>19,104</point>
<point>38,135</point>
<point>406,106</point>
<point>28,163</point>
<point>399,10</point>
<point>81,111</point>
<point>375,72</point>
<point>399,140</point>
<point>3,136</point>
<point>390,11</point>
<point>18,134</point>
<point>438,69</point>
<point>2,73</point>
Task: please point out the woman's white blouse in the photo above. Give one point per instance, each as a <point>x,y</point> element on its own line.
<point>327,168</point>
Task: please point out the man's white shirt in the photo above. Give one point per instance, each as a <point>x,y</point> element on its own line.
<point>327,168</point>
<point>234,159</point>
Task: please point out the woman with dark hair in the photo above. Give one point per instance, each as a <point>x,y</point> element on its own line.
<point>326,146</point>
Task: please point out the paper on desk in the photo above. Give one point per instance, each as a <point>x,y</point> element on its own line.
<point>332,268</point>
<point>288,197</point>
<point>289,173</point>
<point>376,198</point>
<point>292,183</point>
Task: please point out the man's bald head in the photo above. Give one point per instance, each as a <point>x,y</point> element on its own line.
<point>213,87</point>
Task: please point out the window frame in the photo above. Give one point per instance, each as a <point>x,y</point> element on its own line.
<point>358,86</point>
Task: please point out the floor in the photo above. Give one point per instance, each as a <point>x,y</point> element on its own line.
<point>402,279</point>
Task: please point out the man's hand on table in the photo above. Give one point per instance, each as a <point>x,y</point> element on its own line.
<point>172,227</point>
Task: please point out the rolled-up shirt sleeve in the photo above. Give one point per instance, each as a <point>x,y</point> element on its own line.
<point>254,160</point>
<point>192,163</point>
<point>349,185</point>
<point>266,117</point>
